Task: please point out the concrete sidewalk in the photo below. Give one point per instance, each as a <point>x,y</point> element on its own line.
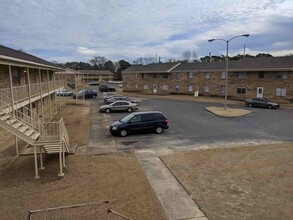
<point>172,196</point>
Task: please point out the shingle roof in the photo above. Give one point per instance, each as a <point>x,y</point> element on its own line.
<point>102,72</point>
<point>151,68</point>
<point>246,64</point>
<point>6,51</point>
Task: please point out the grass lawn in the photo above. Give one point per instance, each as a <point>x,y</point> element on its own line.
<point>117,178</point>
<point>238,183</point>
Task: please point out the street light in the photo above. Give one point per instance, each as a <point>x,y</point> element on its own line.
<point>227,51</point>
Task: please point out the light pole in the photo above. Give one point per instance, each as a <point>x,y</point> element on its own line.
<point>227,51</point>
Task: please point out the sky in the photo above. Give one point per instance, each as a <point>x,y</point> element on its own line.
<point>78,30</point>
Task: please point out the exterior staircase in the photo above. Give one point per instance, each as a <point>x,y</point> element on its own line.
<point>51,136</point>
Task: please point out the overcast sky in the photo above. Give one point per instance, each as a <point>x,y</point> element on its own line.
<point>78,30</point>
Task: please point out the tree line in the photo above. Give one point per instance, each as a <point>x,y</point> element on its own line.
<point>102,63</point>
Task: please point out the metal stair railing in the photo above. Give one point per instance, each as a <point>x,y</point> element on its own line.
<point>50,132</point>
<point>32,120</point>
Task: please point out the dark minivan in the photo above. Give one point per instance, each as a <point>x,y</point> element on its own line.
<point>140,122</point>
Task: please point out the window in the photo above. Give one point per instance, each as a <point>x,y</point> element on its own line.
<point>222,89</point>
<point>127,85</point>
<point>144,75</point>
<point>166,75</point>
<point>136,86</point>
<point>206,88</point>
<point>190,88</point>
<point>241,75</point>
<point>280,92</point>
<point>145,87</point>
<point>281,75</point>
<point>165,87</point>
<point>177,75</point>
<point>223,76</point>
<point>241,90</point>
<point>261,75</point>
<point>189,75</point>
<point>207,75</point>
<point>15,76</point>
<point>155,75</point>
<point>177,88</point>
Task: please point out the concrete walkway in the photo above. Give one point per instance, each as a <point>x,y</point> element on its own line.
<point>172,196</point>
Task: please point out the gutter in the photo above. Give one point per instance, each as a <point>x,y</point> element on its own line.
<point>28,62</point>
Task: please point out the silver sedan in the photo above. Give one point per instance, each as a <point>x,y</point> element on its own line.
<point>119,106</point>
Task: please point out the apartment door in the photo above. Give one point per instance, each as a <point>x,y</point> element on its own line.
<point>155,88</point>
<point>259,92</point>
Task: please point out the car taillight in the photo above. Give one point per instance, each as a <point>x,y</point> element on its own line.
<point>166,122</point>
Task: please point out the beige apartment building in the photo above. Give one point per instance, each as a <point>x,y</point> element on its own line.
<point>269,77</point>
<point>28,105</point>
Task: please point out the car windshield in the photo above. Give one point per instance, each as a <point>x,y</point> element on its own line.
<point>81,91</point>
<point>127,118</point>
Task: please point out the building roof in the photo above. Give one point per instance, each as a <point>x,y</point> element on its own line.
<point>152,68</point>
<point>6,53</point>
<point>247,64</point>
<point>95,72</point>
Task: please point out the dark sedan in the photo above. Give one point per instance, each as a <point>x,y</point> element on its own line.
<point>262,103</point>
<point>86,93</point>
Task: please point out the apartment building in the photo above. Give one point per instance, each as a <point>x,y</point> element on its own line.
<point>28,103</point>
<point>270,77</point>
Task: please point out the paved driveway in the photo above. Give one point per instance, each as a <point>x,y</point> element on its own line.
<point>192,126</point>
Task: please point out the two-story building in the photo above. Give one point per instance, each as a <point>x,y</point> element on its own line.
<point>27,104</point>
<point>270,77</point>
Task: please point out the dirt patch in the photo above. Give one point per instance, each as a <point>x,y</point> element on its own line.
<point>238,183</point>
<point>229,112</point>
<point>76,118</point>
<point>117,178</point>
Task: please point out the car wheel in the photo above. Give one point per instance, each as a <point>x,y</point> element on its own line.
<point>129,109</point>
<point>159,130</point>
<point>107,110</point>
<point>123,133</point>
<point>270,106</point>
<point>249,105</point>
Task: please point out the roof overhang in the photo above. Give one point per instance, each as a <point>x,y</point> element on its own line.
<point>6,60</point>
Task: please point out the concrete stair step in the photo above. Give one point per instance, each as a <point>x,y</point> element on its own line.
<point>23,128</point>
<point>29,131</point>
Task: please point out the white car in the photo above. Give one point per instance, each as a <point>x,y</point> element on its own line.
<point>64,92</point>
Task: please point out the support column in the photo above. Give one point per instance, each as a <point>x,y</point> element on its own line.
<point>49,90</point>
<point>41,159</point>
<point>41,95</point>
<point>36,163</point>
<point>60,161</point>
<point>30,95</point>
<point>54,85</point>
<point>63,148</point>
<point>12,106</point>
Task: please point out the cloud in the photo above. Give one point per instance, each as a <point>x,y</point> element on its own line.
<point>80,29</point>
<point>86,51</point>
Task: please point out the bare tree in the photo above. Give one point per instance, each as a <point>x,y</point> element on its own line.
<point>186,55</point>
<point>98,62</point>
<point>171,60</point>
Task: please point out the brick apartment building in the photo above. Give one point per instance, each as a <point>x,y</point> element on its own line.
<point>28,104</point>
<point>270,77</point>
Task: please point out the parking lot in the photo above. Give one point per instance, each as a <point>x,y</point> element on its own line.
<point>192,126</point>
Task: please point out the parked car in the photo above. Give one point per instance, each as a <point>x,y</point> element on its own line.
<point>64,92</point>
<point>261,102</point>
<point>117,98</point>
<point>106,88</point>
<point>140,122</point>
<point>112,96</point>
<point>119,106</point>
<point>94,83</point>
<point>86,93</point>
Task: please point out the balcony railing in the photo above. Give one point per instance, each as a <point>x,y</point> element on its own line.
<point>21,93</point>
